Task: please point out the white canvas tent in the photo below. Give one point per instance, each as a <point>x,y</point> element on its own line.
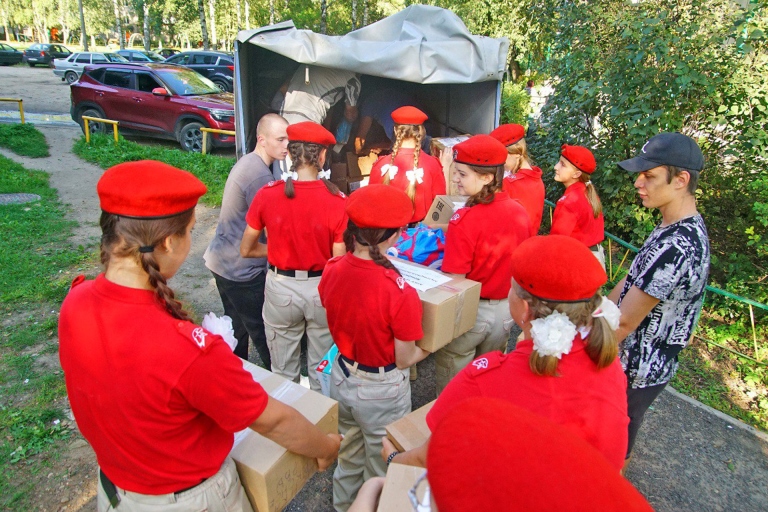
<point>456,75</point>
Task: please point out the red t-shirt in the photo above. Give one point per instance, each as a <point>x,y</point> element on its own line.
<point>433,183</point>
<point>301,231</point>
<point>526,187</point>
<point>589,401</point>
<point>368,306</point>
<point>480,241</point>
<point>157,398</point>
<point>574,217</point>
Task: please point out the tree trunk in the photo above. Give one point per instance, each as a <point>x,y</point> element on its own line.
<point>323,17</point>
<point>354,14</point>
<point>212,9</point>
<point>119,24</point>
<point>239,8</point>
<point>271,12</point>
<point>365,12</point>
<point>203,28</point>
<point>147,40</point>
<point>247,15</point>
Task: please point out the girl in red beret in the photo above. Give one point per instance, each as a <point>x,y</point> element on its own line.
<point>303,216</point>
<point>579,212</point>
<point>522,179</point>
<point>370,377</point>
<point>157,397</point>
<point>419,175</point>
<point>478,245</point>
<point>567,367</point>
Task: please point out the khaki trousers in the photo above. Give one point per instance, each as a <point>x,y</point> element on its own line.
<point>220,493</point>
<point>490,332</point>
<point>291,307</point>
<point>368,402</point>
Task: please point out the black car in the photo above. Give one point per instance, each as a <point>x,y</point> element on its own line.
<point>218,67</point>
<point>9,55</point>
<point>167,52</point>
<point>140,56</point>
<point>44,53</point>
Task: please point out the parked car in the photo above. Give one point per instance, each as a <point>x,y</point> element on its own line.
<point>140,56</point>
<point>218,67</point>
<point>9,55</point>
<point>167,52</point>
<point>44,53</point>
<point>71,68</point>
<point>160,100</point>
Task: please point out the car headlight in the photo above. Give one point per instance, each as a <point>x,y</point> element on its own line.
<point>221,114</point>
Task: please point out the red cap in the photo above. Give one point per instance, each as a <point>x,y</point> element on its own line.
<point>409,115</point>
<point>148,189</point>
<point>480,150</point>
<point>379,206</point>
<point>571,274</point>
<point>580,157</point>
<point>310,132</point>
<point>488,454</point>
<point>508,134</point>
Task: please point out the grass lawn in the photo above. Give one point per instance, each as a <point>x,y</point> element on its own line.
<point>24,140</point>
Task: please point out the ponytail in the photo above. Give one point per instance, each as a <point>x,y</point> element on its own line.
<point>371,238</point>
<point>520,148</point>
<point>591,192</point>
<point>305,154</point>
<point>403,132</point>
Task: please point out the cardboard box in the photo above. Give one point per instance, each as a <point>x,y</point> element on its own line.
<point>442,210</point>
<point>450,309</point>
<point>270,474</point>
<point>411,430</point>
<point>359,167</point>
<point>441,149</point>
<point>400,480</point>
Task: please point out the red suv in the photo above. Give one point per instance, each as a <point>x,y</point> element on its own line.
<point>161,100</point>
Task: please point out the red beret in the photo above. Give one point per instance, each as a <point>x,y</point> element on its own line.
<point>508,134</point>
<point>488,454</point>
<point>409,115</point>
<point>480,150</point>
<point>148,189</point>
<point>580,157</point>
<point>379,206</point>
<point>310,132</point>
<point>570,272</point>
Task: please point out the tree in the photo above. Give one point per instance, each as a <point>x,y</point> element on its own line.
<point>203,28</point>
<point>83,35</point>
<point>211,6</point>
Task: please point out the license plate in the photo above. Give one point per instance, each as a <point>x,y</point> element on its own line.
<point>32,59</point>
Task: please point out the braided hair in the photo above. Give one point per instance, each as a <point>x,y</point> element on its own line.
<point>403,132</point>
<point>306,154</point>
<point>488,192</point>
<point>371,238</point>
<point>123,236</point>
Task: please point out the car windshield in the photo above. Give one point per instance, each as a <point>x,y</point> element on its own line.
<point>155,57</point>
<point>187,82</point>
<point>113,57</point>
<point>36,47</point>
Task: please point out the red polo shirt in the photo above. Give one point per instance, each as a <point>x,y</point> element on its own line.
<point>433,181</point>
<point>368,306</point>
<point>574,217</point>
<point>480,241</point>
<point>526,187</point>
<point>589,401</point>
<point>157,398</point>
<point>301,231</point>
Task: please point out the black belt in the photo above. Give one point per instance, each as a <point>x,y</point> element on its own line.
<point>369,369</point>
<point>594,247</point>
<point>292,273</point>
<point>114,498</point>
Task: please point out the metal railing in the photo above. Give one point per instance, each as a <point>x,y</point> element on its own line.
<point>88,119</point>
<point>206,131</point>
<point>21,106</point>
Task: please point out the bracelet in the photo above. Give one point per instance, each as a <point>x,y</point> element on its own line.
<point>392,456</point>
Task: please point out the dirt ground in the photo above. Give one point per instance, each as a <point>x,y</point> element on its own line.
<point>688,457</point>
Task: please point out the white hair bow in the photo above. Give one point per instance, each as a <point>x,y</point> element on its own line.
<point>610,311</point>
<point>415,175</point>
<point>287,174</point>
<point>553,335</point>
<point>391,169</point>
<point>324,175</point>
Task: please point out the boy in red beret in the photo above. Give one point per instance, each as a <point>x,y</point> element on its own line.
<point>522,180</point>
<point>419,175</point>
<point>304,218</point>
<point>157,397</point>
<point>370,377</point>
<point>478,245</point>
<point>579,212</point>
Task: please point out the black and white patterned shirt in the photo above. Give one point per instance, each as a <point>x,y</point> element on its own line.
<point>672,266</point>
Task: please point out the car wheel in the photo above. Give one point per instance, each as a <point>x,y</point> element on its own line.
<point>222,85</point>
<point>70,77</point>
<point>191,138</point>
<point>95,127</point>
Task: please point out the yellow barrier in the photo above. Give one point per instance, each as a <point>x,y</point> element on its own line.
<point>21,106</point>
<point>87,120</point>
<point>206,131</point>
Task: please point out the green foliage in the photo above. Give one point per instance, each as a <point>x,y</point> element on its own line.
<point>24,140</point>
<point>515,104</point>
<point>211,169</point>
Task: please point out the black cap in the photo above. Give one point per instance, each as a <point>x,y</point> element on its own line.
<point>673,149</point>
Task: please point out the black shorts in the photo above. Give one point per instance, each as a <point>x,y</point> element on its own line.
<point>638,401</point>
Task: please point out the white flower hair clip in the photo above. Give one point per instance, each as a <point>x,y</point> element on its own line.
<point>553,335</point>
<point>324,175</point>
<point>287,174</point>
<point>610,311</point>
<point>391,169</point>
<point>222,326</point>
<point>415,175</point>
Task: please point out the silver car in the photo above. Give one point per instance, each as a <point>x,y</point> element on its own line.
<point>71,68</point>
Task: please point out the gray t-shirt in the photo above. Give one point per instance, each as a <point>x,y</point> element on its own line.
<point>310,101</point>
<point>248,175</point>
